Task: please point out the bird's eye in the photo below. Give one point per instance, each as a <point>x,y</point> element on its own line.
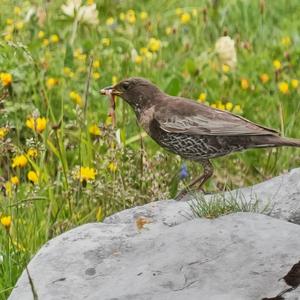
<point>125,85</point>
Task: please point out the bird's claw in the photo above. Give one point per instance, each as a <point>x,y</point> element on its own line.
<point>181,195</point>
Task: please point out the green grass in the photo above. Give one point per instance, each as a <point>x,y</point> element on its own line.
<point>221,204</point>
<point>131,169</point>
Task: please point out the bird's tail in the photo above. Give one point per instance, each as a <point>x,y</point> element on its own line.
<point>274,141</point>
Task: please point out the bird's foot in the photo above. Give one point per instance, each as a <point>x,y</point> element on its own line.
<point>205,192</point>
<point>181,195</point>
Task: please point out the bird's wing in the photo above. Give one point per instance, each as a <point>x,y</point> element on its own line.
<point>184,116</point>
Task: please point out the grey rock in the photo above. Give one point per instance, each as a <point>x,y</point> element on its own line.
<point>278,197</point>
<point>281,194</point>
<point>172,255</point>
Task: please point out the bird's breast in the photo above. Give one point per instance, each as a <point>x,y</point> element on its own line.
<point>146,118</point>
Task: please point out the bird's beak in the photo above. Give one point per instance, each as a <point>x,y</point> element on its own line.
<point>110,90</point>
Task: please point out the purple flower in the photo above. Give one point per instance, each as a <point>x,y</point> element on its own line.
<point>183,172</point>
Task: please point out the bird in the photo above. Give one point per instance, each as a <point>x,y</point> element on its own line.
<point>190,129</point>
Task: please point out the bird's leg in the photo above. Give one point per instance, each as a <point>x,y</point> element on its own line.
<point>208,171</point>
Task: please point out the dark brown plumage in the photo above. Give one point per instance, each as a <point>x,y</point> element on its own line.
<point>292,278</point>
<point>190,129</point>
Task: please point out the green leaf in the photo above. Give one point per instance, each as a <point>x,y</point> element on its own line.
<point>190,66</point>
<point>173,189</point>
<point>173,87</point>
<point>68,57</point>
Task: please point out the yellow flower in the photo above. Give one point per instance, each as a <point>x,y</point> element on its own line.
<point>54,38</point>
<point>185,18</point>
<point>245,84</point>
<point>41,124</point>
<point>228,106</point>
<point>202,97</point>
<point>68,72</point>
<point>76,98</point>
<point>14,180</point>
<point>30,123</point>
<point>277,64</point>
<point>264,78</point>
<point>145,52</point>
<point>122,16</point>
<point>8,189</point>
<point>294,84</point>
<point>9,21</point>
<point>96,63</point>
<point>45,42</point>
<point>110,21</point>
<point>169,30</point>
<point>19,161</point>
<point>105,42</point>
<point>38,124</point>
<point>32,152</point>
<point>225,68</point>
<point>114,80</point>
<point>112,167</point>
<point>194,12</point>
<point>96,75</point>
<point>6,79</point>
<point>214,105</point>
<point>19,25</point>
<point>143,15</point>
<point>6,221</point>
<point>17,10</point>
<point>3,132</point>
<point>41,34</point>
<point>130,16</point>
<point>154,44</point>
<point>8,37</point>
<point>220,106</point>
<point>108,121</point>
<point>237,109</point>
<point>94,130</point>
<point>86,173</point>
<point>33,177</point>
<point>77,53</point>
<point>178,11</point>
<point>138,59</point>
<point>283,87</point>
<point>51,82</point>
<point>82,57</point>
<point>286,41</point>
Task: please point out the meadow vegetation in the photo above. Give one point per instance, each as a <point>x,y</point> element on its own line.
<point>62,163</point>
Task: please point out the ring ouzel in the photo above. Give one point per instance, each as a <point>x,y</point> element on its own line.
<point>190,129</point>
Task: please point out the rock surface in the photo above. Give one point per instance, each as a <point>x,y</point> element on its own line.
<point>160,251</point>
<point>280,196</point>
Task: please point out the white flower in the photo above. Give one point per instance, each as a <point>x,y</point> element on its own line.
<point>83,13</point>
<point>88,14</point>
<point>226,51</point>
<point>70,9</point>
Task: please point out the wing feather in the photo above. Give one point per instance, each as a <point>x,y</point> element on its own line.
<point>197,119</point>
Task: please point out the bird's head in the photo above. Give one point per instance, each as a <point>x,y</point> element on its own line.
<point>138,92</point>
